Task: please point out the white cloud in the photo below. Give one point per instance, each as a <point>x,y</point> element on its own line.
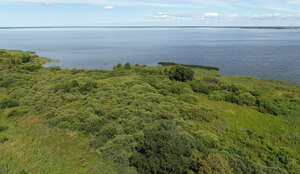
<point>211,14</point>
<point>49,3</point>
<point>100,2</point>
<point>270,15</point>
<point>218,16</point>
<point>184,16</point>
<point>161,15</point>
<point>109,7</point>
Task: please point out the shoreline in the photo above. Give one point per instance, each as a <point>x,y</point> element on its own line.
<point>153,27</point>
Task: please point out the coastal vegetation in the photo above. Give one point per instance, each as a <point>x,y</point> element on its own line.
<point>189,66</point>
<point>177,119</point>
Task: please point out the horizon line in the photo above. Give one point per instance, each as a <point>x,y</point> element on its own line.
<point>155,26</point>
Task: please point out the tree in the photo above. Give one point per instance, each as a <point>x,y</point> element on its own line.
<point>118,66</point>
<point>127,65</point>
<point>162,150</point>
<point>181,73</point>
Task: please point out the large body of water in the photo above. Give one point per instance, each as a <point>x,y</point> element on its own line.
<point>263,53</point>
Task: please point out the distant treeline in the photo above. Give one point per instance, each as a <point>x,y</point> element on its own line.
<point>191,66</point>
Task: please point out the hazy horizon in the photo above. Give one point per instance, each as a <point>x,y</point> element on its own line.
<point>150,12</point>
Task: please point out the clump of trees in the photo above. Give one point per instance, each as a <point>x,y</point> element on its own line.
<point>163,150</point>
<point>127,65</point>
<point>180,73</point>
<point>119,66</point>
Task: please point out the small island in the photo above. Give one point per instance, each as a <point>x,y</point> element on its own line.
<point>174,118</point>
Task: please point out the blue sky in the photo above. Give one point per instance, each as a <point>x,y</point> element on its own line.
<point>149,12</point>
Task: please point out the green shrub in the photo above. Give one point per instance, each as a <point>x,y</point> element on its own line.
<point>190,66</point>
<point>272,106</point>
<point>248,99</point>
<point>210,164</point>
<point>218,95</point>
<point>55,68</point>
<point>176,88</point>
<point>118,66</point>
<point>26,58</point>
<point>75,83</point>
<point>127,65</point>
<point>64,86</point>
<point>32,68</point>
<point>90,126</point>
<point>15,112</point>
<point>181,73</point>
<point>3,128</point>
<point>108,132</point>
<point>5,83</point>
<point>189,98</point>
<point>8,103</point>
<point>3,140</point>
<point>88,86</point>
<point>200,87</point>
<point>118,151</point>
<point>163,150</point>
<point>22,172</point>
<point>235,98</point>
<point>199,114</point>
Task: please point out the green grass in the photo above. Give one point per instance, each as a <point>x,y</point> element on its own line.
<point>56,120</point>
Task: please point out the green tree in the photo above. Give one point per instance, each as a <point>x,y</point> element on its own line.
<point>181,73</point>
<point>118,66</point>
<point>162,150</point>
<point>127,65</point>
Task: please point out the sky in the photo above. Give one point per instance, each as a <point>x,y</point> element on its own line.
<point>20,13</point>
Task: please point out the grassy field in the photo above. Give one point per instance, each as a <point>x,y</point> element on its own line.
<point>139,119</point>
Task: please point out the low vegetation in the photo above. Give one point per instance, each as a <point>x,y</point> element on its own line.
<point>189,66</point>
<point>144,120</point>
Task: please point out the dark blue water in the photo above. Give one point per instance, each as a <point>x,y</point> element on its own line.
<point>264,53</point>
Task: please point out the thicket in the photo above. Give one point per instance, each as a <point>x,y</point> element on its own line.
<point>164,150</point>
<point>160,119</point>
<point>189,66</point>
<point>8,103</point>
<point>180,73</point>
<point>241,96</point>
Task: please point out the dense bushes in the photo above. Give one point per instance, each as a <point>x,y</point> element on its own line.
<point>238,95</point>
<point>153,118</point>
<point>3,140</point>
<point>176,88</point>
<point>189,66</point>
<point>6,82</point>
<point>3,128</point>
<point>26,58</point>
<point>119,66</point>
<point>199,114</point>
<point>8,103</point>
<point>180,73</point>
<point>32,67</point>
<point>210,164</point>
<point>200,87</point>
<point>88,86</point>
<point>15,112</point>
<point>127,65</point>
<point>163,150</point>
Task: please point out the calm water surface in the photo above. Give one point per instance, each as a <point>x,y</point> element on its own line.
<point>263,53</point>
